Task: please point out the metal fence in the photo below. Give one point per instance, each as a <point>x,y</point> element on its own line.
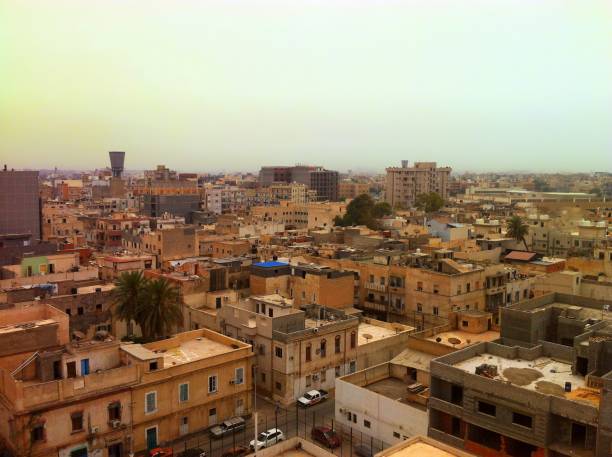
<point>292,422</point>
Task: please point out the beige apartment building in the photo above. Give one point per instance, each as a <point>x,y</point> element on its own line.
<point>304,284</point>
<point>102,398</point>
<point>300,350</point>
<point>309,215</point>
<point>404,184</point>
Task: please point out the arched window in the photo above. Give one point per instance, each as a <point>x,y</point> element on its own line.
<point>337,344</point>
<point>353,340</point>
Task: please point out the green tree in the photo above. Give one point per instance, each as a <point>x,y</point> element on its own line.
<point>160,309</point>
<point>363,211</point>
<point>540,185</point>
<point>429,202</point>
<point>128,294</point>
<point>597,191</point>
<point>515,228</point>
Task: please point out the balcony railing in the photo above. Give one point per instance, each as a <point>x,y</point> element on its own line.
<point>375,286</point>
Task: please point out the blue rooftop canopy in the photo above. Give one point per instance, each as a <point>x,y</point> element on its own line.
<point>271,264</point>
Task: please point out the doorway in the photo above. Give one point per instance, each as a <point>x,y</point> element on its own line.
<point>115,450</point>
<point>151,436</point>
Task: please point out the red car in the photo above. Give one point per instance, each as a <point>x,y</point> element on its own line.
<point>161,452</point>
<point>326,436</point>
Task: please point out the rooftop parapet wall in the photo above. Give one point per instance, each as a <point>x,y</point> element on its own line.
<point>28,396</point>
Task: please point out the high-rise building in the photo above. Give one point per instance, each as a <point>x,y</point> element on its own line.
<point>404,184</point>
<point>20,209</point>
<point>324,182</point>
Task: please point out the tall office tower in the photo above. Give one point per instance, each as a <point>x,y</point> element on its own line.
<point>404,184</point>
<point>20,208</point>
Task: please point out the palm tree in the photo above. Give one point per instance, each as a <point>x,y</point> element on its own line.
<point>129,294</point>
<point>517,230</point>
<point>160,310</point>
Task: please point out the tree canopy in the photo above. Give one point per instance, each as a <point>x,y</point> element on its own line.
<point>515,228</point>
<point>362,210</point>
<point>429,202</point>
<point>152,304</point>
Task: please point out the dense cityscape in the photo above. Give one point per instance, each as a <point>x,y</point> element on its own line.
<point>300,311</point>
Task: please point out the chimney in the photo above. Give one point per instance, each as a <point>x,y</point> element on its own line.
<point>404,164</point>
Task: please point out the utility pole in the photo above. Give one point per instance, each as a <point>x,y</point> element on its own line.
<point>255,408</point>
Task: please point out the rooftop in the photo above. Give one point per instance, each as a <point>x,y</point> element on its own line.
<point>543,374</point>
<point>272,264</point>
<point>192,350</point>
<point>459,339</point>
<point>368,333</point>
<point>422,446</point>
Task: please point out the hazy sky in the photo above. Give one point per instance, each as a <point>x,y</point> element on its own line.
<point>212,85</point>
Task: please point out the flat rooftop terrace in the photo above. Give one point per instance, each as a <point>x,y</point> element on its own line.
<point>192,350</point>
<point>459,339</point>
<point>368,333</point>
<point>543,374</point>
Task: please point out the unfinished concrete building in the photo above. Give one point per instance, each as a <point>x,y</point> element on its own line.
<point>543,389</point>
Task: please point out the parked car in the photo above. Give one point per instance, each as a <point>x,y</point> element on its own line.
<point>227,427</point>
<point>363,450</point>
<point>312,397</point>
<point>195,452</point>
<point>268,438</point>
<point>326,436</point>
<point>237,451</point>
<point>161,452</point>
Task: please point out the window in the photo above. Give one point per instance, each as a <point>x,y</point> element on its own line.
<point>153,366</point>
<point>323,376</point>
<point>396,435</point>
<point>263,377</point>
<point>468,286</point>
<point>353,340</point>
<point>212,384</point>
<point>337,371</point>
<point>37,433</point>
<point>308,353</point>
<point>323,347</point>
<point>464,323</point>
<point>80,310</point>
<point>278,351</point>
<point>99,307</point>
<point>270,312</point>
<point>522,420</point>
<point>71,369</point>
<point>184,392</point>
<point>337,344</point>
<point>68,311</point>
<point>419,285</point>
<point>150,402</point>
<point>114,411</point>
<point>279,386</point>
<point>435,289</point>
<point>239,376</point>
<point>77,421</point>
<point>366,423</point>
<point>352,366</point>
<point>459,289</point>
<point>436,311</point>
<point>308,380</point>
<point>419,307</point>
<point>486,408</point>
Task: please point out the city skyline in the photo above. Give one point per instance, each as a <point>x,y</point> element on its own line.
<point>478,86</point>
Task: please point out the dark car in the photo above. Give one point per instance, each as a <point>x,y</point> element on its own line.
<point>237,451</point>
<point>326,436</point>
<point>363,450</point>
<point>232,425</point>
<point>193,453</point>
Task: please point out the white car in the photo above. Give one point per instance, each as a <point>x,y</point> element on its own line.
<point>268,438</point>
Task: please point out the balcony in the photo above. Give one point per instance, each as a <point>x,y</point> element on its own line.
<point>382,307</point>
<point>375,286</point>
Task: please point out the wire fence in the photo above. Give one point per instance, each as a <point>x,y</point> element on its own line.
<point>292,422</point>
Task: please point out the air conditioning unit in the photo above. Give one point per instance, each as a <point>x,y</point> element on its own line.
<point>315,377</point>
<point>232,381</point>
<point>95,430</point>
<point>115,423</point>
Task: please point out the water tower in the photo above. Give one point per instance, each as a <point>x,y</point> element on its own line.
<point>117,158</point>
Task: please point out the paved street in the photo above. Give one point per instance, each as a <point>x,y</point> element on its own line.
<point>292,421</point>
